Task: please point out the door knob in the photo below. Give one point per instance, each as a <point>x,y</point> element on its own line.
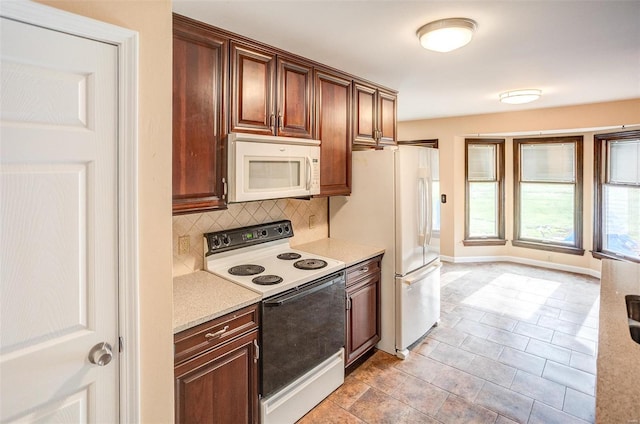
<point>101,354</point>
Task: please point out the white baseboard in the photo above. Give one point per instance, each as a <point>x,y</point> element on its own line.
<point>524,261</point>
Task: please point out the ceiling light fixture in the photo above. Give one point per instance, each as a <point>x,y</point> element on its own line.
<point>446,35</point>
<point>518,97</point>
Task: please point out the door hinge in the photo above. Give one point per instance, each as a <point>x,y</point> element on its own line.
<point>120,344</point>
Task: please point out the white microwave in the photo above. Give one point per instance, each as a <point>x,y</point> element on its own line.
<point>268,167</point>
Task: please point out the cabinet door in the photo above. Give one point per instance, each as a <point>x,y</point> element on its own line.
<point>363,317</point>
<point>199,72</point>
<point>333,123</point>
<point>220,386</point>
<point>295,99</point>
<point>252,90</point>
<point>386,118</point>
<point>364,114</point>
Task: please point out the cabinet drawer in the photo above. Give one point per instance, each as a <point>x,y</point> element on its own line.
<point>215,332</point>
<point>356,272</point>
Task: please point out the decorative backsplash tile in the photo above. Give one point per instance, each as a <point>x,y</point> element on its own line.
<point>308,217</point>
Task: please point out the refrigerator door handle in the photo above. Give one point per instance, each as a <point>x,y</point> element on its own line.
<point>422,228</point>
<point>428,211</point>
<point>419,276</point>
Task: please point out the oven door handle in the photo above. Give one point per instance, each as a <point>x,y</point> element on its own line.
<point>290,298</point>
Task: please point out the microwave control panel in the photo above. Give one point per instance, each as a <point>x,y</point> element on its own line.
<point>315,176</point>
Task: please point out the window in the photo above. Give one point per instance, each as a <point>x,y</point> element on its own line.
<point>548,194</point>
<point>484,223</point>
<point>617,195</point>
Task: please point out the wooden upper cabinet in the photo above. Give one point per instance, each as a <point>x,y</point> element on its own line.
<point>199,75</point>
<point>294,99</point>
<point>333,129</point>
<point>364,114</point>
<point>270,95</point>
<point>387,117</point>
<point>374,116</point>
<point>252,90</point>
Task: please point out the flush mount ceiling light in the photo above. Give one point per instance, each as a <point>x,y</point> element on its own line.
<point>518,97</point>
<point>446,35</point>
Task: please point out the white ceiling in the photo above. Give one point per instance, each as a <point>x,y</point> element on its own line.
<point>576,52</point>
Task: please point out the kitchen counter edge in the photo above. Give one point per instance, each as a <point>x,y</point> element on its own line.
<point>342,250</point>
<point>201,296</point>
<point>617,394</point>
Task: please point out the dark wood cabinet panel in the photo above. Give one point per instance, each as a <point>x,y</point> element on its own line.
<point>364,114</point>
<point>220,386</point>
<point>199,72</point>
<point>387,117</point>
<point>216,370</point>
<point>363,308</point>
<point>374,116</point>
<point>295,99</point>
<point>333,123</point>
<point>252,90</point>
<point>270,95</point>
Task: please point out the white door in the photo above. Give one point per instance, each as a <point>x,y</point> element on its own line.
<point>412,207</point>
<point>58,226</point>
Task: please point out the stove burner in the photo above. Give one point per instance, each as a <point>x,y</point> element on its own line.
<point>310,264</point>
<point>288,256</point>
<point>267,280</point>
<point>246,270</point>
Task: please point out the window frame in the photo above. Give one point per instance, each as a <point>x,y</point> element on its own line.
<point>600,172</point>
<point>500,240</point>
<point>577,248</point>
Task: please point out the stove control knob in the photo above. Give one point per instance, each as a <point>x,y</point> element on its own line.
<point>286,228</point>
<point>280,230</point>
<point>263,233</point>
<point>216,242</point>
<point>225,240</point>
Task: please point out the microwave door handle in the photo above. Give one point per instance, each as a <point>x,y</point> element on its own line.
<point>308,160</point>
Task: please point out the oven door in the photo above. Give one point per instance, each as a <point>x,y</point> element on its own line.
<point>301,328</point>
<point>261,170</point>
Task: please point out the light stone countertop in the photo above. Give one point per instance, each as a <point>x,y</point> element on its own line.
<point>341,250</point>
<point>201,296</point>
<point>618,387</point>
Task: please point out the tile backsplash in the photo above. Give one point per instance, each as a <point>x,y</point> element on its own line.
<point>308,217</point>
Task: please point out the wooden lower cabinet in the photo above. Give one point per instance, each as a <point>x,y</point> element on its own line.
<point>363,308</point>
<point>219,385</point>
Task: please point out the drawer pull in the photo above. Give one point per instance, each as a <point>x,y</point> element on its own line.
<point>217,334</point>
<point>364,269</point>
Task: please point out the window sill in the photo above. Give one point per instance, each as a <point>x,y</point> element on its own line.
<point>570,250</point>
<point>603,255</point>
<point>484,242</point>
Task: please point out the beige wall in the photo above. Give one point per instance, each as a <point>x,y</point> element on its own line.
<point>451,133</point>
<point>152,20</point>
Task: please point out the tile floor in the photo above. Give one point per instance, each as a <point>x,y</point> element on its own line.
<point>515,344</point>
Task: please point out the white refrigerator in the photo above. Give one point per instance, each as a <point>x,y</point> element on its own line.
<point>394,204</point>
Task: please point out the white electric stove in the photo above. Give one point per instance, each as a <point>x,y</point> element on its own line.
<point>302,314</point>
<point>269,267</point>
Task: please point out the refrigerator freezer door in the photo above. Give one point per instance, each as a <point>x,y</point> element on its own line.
<point>412,207</point>
<point>417,305</point>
